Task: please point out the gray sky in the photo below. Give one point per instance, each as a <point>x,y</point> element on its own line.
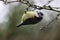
<point>5,11</point>
<point>55,3</point>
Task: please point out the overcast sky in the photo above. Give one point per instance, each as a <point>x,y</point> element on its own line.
<point>54,3</point>
<point>4,9</point>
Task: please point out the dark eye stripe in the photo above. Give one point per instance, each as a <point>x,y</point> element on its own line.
<point>40,14</point>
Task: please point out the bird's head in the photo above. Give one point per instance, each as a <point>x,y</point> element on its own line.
<point>39,14</point>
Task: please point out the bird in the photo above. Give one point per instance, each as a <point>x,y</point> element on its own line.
<point>30,17</point>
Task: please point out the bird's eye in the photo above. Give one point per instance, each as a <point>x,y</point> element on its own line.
<point>40,13</point>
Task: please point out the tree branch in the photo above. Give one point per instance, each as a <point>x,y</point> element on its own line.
<point>35,6</point>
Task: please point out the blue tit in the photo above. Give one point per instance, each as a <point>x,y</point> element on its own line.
<point>30,17</point>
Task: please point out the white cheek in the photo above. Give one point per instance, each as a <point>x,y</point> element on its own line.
<point>36,14</point>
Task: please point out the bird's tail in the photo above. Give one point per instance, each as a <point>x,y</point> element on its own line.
<point>19,25</point>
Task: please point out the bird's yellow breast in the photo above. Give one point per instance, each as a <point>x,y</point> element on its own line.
<point>29,14</point>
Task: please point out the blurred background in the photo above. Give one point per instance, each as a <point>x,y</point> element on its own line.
<point>10,16</point>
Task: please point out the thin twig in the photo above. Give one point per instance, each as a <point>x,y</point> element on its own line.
<point>35,6</point>
<point>48,2</point>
